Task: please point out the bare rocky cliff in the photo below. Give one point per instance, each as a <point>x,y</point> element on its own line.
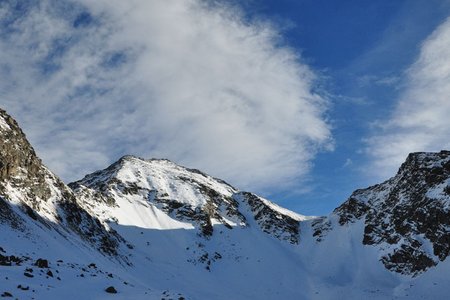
<point>408,214</point>
<point>150,226</point>
<point>26,184</point>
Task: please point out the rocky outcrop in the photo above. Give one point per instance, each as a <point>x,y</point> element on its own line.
<point>271,221</point>
<point>20,168</point>
<point>407,218</point>
<point>162,184</point>
<point>186,195</point>
<point>408,214</point>
<point>27,184</point>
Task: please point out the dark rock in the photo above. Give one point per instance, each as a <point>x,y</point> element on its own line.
<point>350,211</point>
<point>6,294</point>
<point>272,222</point>
<point>10,260</point>
<point>8,216</point>
<point>408,260</point>
<point>92,265</point>
<point>217,255</point>
<point>447,190</point>
<point>400,212</point>
<point>321,226</point>
<point>111,290</point>
<point>104,183</point>
<point>41,263</point>
<point>28,275</point>
<point>22,170</point>
<point>29,211</point>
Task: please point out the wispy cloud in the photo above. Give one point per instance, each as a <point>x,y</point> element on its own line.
<point>193,82</point>
<point>420,121</point>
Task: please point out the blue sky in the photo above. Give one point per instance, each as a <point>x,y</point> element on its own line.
<point>300,101</point>
<point>354,45</point>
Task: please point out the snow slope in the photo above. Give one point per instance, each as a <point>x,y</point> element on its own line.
<point>158,194</point>
<point>155,230</point>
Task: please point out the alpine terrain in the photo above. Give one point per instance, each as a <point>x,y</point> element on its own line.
<point>151,229</point>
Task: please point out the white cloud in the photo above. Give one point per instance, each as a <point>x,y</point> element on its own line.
<point>348,163</point>
<point>191,82</point>
<point>421,119</point>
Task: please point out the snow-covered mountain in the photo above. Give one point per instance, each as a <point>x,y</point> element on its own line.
<point>31,194</point>
<point>408,216</point>
<point>158,194</point>
<point>151,229</point>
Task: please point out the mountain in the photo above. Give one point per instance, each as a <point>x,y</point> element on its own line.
<point>151,229</point>
<point>159,194</point>
<point>407,216</point>
<point>31,194</point>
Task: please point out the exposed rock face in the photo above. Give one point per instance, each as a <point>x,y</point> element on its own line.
<point>271,221</point>
<point>408,214</point>
<point>29,185</point>
<point>10,260</point>
<point>186,195</point>
<point>320,227</point>
<point>19,166</point>
<point>405,219</point>
<point>8,216</point>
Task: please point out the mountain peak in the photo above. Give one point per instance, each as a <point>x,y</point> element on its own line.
<point>183,197</point>
<point>425,160</point>
<point>29,189</point>
<point>198,231</point>
<point>18,158</point>
<point>408,214</point>
<point>130,157</point>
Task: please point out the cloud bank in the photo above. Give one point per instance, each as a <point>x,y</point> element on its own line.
<point>191,81</point>
<point>421,119</point>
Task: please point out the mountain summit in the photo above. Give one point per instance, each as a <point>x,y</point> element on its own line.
<point>29,192</point>
<point>159,194</point>
<point>151,229</point>
<point>407,216</point>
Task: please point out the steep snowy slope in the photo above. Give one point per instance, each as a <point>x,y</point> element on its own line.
<point>151,229</point>
<point>26,186</point>
<point>186,220</point>
<point>158,194</point>
<point>197,234</point>
<point>188,231</point>
<point>46,238</point>
<point>408,216</point>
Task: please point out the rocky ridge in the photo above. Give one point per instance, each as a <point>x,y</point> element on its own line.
<point>406,215</point>
<point>180,228</point>
<point>27,184</point>
<point>186,195</point>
